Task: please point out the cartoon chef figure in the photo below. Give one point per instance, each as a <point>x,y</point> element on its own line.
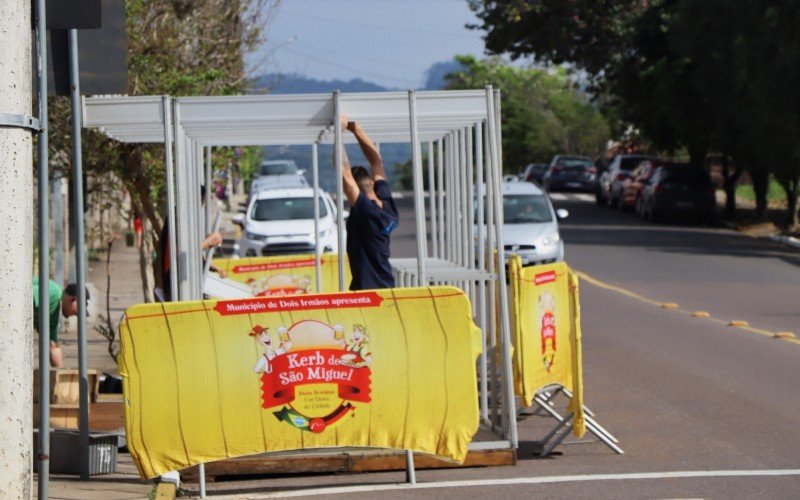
<point>265,339</point>
<point>358,344</point>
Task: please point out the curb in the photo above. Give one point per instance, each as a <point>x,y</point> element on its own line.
<point>787,240</point>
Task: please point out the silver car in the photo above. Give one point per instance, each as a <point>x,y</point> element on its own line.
<point>530,225</point>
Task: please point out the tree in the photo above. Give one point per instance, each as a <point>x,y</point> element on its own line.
<point>177,48</point>
<point>543,113</point>
<point>704,75</point>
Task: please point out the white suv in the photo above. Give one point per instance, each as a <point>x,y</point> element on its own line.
<point>281,222</point>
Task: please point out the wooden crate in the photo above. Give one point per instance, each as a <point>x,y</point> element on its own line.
<point>65,387</point>
<point>62,416</point>
<point>348,461</point>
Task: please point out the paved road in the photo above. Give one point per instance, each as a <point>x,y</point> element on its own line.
<point>683,394</point>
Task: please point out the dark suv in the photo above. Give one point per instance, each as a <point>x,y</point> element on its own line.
<point>573,173</point>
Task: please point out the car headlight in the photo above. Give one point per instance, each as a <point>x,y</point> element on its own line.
<point>254,236</point>
<point>325,232</point>
<point>550,239</point>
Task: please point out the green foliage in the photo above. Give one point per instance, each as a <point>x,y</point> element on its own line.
<point>699,75</point>
<point>543,113</point>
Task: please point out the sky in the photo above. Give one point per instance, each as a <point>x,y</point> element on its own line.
<point>388,42</point>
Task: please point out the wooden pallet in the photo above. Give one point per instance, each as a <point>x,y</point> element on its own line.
<point>349,461</point>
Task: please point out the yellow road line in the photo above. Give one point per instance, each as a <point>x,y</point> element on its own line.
<point>741,325</point>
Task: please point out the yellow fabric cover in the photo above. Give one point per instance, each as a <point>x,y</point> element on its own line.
<point>545,319</point>
<point>285,274</point>
<point>204,380</point>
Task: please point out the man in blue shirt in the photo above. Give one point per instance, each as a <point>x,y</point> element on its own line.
<point>373,216</point>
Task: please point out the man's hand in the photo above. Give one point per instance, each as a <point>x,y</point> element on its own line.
<point>351,126</point>
<point>343,121</point>
<point>212,240</point>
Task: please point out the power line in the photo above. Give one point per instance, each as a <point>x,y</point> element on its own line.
<point>382,62</point>
<point>380,27</point>
<point>349,68</point>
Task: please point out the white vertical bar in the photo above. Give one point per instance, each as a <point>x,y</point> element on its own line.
<point>465,216</point>
<point>201,470</point>
<point>208,189</point>
<point>491,341</point>
<point>315,183</point>
<point>181,292</point>
<point>338,148</point>
<point>451,247</point>
<point>457,180</point>
<point>197,218</point>
<point>432,201</point>
<point>166,104</point>
<point>440,195</point>
<point>470,214</point>
<point>482,299</point>
<point>419,201</point>
<point>493,104</point>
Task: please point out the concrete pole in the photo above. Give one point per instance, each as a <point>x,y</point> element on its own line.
<point>16,255</point>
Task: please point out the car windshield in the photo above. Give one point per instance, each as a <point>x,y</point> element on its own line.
<point>631,162</point>
<point>575,163</point>
<point>277,169</point>
<point>273,209</point>
<point>524,209</point>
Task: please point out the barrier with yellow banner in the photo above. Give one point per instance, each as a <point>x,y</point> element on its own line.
<point>545,319</point>
<point>285,274</point>
<point>208,380</point>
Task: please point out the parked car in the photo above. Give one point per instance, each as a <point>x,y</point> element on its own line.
<point>273,173</point>
<point>632,186</point>
<point>677,189</point>
<point>530,225</point>
<point>608,189</point>
<point>281,221</point>
<point>534,172</point>
<point>574,173</point>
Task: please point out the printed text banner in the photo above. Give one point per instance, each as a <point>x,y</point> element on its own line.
<point>210,380</point>
<point>285,274</point>
<point>545,317</point>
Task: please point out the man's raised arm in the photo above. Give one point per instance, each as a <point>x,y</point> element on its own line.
<point>350,186</point>
<point>370,151</point>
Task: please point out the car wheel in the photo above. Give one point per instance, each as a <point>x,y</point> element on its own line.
<point>598,197</point>
<point>613,202</point>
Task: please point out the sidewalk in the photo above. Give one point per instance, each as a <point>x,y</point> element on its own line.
<point>126,290</point>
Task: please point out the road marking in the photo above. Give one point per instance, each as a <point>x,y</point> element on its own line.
<point>741,325</point>
<point>571,196</point>
<point>477,483</point>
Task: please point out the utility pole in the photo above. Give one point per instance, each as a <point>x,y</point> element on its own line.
<point>16,251</point>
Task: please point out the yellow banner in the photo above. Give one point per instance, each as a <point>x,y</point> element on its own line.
<point>210,380</point>
<point>286,274</point>
<point>545,319</point>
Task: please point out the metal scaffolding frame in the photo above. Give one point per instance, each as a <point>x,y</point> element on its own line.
<point>461,133</point>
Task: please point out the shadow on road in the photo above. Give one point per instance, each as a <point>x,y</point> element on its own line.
<point>589,224</point>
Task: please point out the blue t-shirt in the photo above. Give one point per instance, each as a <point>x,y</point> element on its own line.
<point>368,230</point>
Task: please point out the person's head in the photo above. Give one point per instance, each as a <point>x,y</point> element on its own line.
<point>69,300</point>
<point>363,179</point>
